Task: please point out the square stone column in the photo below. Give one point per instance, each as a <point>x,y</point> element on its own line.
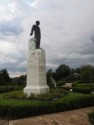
<point>36,72</point>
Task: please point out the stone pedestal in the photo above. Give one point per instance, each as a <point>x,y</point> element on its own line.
<point>36,71</point>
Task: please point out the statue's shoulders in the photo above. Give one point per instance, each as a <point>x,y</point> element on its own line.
<point>34,25</point>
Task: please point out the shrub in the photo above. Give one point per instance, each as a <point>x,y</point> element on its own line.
<point>18,108</point>
<point>8,88</point>
<point>15,94</point>
<point>86,86</point>
<point>81,90</point>
<point>60,83</point>
<point>91,117</point>
<point>51,95</point>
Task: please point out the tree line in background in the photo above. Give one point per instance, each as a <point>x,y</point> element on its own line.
<point>83,74</point>
<point>5,79</point>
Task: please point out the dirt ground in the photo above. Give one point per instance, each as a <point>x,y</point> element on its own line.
<point>73,117</point>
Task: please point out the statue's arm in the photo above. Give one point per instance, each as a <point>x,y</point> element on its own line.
<point>32,29</point>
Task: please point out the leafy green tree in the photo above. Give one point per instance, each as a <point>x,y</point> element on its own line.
<point>62,71</point>
<point>49,74</point>
<point>71,76</point>
<point>4,77</point>
<point>21,80</point>
<point>87,73</point>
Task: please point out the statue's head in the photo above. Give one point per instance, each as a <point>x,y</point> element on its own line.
<point>37,22</point>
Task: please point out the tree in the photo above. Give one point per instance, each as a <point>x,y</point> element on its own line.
<point>62,71</point>
<point>87,73</point>
<point>4,77</point>
<point>21,80</point>
<point>49,74</point>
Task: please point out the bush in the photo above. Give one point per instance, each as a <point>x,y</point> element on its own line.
<point>60,83</point>
<point>15,95</point>
<point>8,88</point>
<point>51,95</point>
<point>85,86</point>
<point>91,117</point>
<point>18,108</point>
<point>81,90</point>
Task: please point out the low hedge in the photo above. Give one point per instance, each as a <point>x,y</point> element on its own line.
<point>91,117</point>
<point>53,94</point>
<point>84,85</point>
<point>82,90</point>
<point>19,108</point>
<point>4,90</point>
<point>79,90</point>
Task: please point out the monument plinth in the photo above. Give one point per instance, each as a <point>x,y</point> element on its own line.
<point>36,70</point>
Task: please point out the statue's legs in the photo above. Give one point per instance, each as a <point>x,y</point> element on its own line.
<point>37,43</point>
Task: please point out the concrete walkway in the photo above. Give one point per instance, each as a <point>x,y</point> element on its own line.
<point>4,122</point>
<point>73,117</point>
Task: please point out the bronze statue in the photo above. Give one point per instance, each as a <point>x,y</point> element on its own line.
<point>37,33</point>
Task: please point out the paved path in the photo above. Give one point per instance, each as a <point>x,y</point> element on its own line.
<point>73,117</point>
<point>4,122</point>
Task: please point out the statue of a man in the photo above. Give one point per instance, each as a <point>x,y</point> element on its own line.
<point>37,33</point>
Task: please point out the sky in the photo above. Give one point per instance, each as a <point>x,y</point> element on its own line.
<point>67,28</point>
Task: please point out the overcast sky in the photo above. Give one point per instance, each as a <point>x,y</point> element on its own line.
<point>67,28</point>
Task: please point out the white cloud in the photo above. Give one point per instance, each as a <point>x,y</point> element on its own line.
<point>67,31</point>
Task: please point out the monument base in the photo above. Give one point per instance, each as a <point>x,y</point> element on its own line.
<point>35,90</point>
<point>36,71</point>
